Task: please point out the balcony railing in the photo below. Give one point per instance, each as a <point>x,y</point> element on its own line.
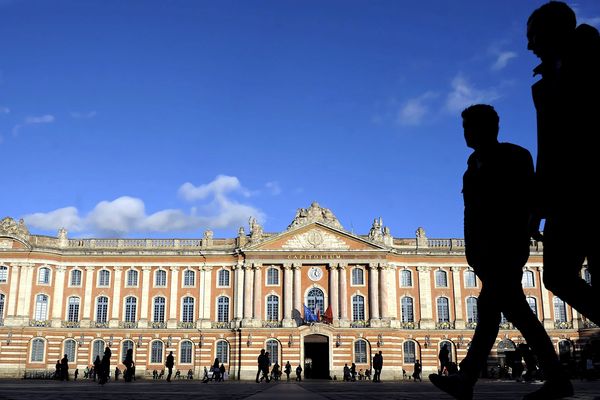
<point>563,324</point>
<point>272,324</point>
<point>185,325</point>
<point>444,325</point>
<point>101,325</point>
<point>158,325</point>
<point>471,325</point>
<point>70,324</point>
<point>589,324</point>
<point>408,325</point>
<point>359,324</point>
<point>506,325</point>
<point>39,323</point>
<point>221,325</point>
<point>128,324</point>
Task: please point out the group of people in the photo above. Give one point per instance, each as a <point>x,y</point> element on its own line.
<point>62,369</point>
<point>264,365</point>
<point>505,199</point>
<point>218,372</point>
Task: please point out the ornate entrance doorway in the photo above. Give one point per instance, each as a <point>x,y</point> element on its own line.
<point>316,357</point>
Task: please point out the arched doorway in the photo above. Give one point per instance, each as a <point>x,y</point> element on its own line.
<point>316,357</point>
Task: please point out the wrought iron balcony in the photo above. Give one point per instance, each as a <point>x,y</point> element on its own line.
<point>563,324</point>
<point>506,325</point>
<point>128,324</point>
<point>102,325</point>
<point>158,325</point>
<point>589,324</point>
<point>444,325</point>
<point>272,324</point>
<point>70,324</point>
<point>359,324</point>
<point>185,325</point>
<point>221,325</point>
<point>39,323</point>
<point>408,325</point>
<point>471,325</point>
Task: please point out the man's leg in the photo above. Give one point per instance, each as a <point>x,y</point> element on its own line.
<point>563,258</point>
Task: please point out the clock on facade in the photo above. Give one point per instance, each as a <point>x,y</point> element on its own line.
<point>315,273</point>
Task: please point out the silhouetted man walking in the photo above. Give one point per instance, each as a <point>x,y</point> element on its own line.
<point>377,366</point>
<point>567,102</point>
<point>497,194</point>
<point>170,364</point>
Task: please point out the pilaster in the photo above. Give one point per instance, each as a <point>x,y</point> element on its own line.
<point>425,300</point>
<point>459,322</point>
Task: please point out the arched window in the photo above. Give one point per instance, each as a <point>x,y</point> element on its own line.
<point>98,349</point>
<point>76,277</point>
<point>102,309</point>
<point>37,350</point>
<point>441,278</point>
<point>360,351</point>
<point>273,349</point>
<point>470,280</point>
<point>443,311</point>
<point>222,351</point>
<point>127,344</point>
<point>223,278</point>
<point>69,349</point>
<point>560,310</point>
<point>189,278</point>
<point>527,280</point>
<point>358,276</point>
<point>223,309</point>
<point>532,304</point>
<point>185,352</point>
<point>358,308</point>
<point>3,274</point>
<point>273,276</point>
<point>41,307</point>
<point>187,311</point>
<point>565,351</point>
<point>104,277</point>
<point>2,299</point>
<point>132,277</point>
<point>315,300</point>
<point>160,278</point>
<point>272,308</point>
<point>448,345</point>
<point>410,350</point>
<point>586,276</point>
<point>130,309</point>
<point>407,309</point>
<point>405,278</point>
<point>159,309</point>
<point>472,309</point>
<point>73,311</point>
<point>156,352</point>
<point>44,276</point>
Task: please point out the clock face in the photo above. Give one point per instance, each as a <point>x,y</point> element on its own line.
<point>315,273</point>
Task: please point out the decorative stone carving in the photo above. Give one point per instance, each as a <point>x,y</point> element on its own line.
<point>376,233</point>
<point>388,239</point>
<point>421,238</point>
<point>207,241</point>
<point>9,226</point>
<point>63,240</point>
<point>315,239</point>
<point>315,213</point>
<point>256,230</point>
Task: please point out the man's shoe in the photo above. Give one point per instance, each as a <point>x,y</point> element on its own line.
<point>555,389</point>
<point>454,385</point>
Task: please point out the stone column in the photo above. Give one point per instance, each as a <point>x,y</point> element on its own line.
<point>172,317</point>
<point>373,292</point>
<point>116,298</point>
<point>257,295</point>
<point>546,304</point>
<point>344,321</point>
<point>58,295</point>
<point>239,292</point>
<point>287,296</point>
<point>459,322</point>
<point>143,316</point>
<point>207,320</point>
<point>200,293</point>
<point>25,285</point>
<point>384,288</point>
<point>248,298</point>
<point>425,300</point>
<point>87,299</point>
<point>392,274</point>
<point>12,296</point>
<point>297,292</point>
<point>334,292</point>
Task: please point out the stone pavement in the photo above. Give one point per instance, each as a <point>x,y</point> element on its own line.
<point>313,390</point>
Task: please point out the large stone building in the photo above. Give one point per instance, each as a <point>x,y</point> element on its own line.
<point>229,298</point>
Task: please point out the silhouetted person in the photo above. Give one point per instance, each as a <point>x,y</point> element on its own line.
<point>76,374</point>
<point>117,373</point>
<point>299,373</point>
<point>64,368</point>
<point>222,372</point>
<point>129,363</point>
<point>170,364</point>
<point>288,370</point>
<point>377,366</point>
<point>444,357</point>
<point>97,370</point>
<point>57,374</point>
<point>497,191</point>
<point>567,103</point>
<point>263,367</point>
<point>105,366</point>
<point>216,370</point>
<point>417,371</point>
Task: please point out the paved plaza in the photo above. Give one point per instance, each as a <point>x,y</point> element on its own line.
<point>313,390</point>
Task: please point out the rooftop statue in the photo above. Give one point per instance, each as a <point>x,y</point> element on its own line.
<point>9,226</point>
<point>315,213</point>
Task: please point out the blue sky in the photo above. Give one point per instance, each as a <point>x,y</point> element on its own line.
<point>163,119</point>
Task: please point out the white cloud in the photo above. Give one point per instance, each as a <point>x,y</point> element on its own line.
<point>43,119</point>
<point>414,110</point>
<point>273,188</point>
<point>83,115</point>
<point>464,94</point>
<point>502,60</point>
<point>126,215</point>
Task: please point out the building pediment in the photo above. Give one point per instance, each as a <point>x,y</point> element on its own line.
<point>315,236</point>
